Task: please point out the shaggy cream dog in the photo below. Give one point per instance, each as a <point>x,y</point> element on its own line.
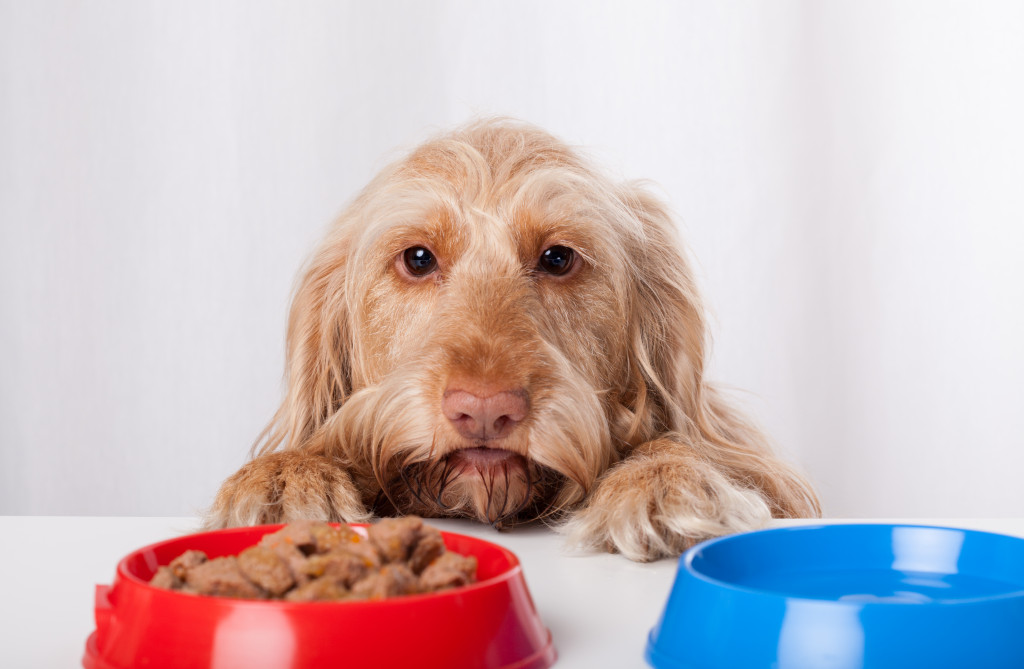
<point>494,329</point>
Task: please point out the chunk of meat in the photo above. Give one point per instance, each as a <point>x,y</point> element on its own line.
<point>429,547</point>
<point>291,554</point>
<point>298,534</point>
<point>265,568</point>
<point>395,538</point>
<point>366,552</point>
<point>341,566</point>
<point>448,571</point>
<point>320,589</point>
<point>186,561</point>
<point>221,576</point>
<point>391,581</point>
<point>327,538</point>
<point>165,578</point>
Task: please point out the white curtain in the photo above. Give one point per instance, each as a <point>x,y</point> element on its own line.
<point>849,177</point>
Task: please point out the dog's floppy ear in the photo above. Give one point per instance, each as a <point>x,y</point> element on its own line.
<point>665,349</point>
<point>318,350</point>
<point>666,393</point>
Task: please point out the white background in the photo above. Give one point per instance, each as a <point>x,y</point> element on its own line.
<point>848,175</point>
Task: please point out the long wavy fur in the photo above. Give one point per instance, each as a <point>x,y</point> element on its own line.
<point>620,408</point>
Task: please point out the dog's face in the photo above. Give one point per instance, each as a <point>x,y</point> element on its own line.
<point>489,327</point>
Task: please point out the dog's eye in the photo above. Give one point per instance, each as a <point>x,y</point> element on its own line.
<point>557,260</point>
<point>419,261</point>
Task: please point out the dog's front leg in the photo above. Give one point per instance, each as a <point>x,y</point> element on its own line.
<point>285,486</point>
<point>659,501</point>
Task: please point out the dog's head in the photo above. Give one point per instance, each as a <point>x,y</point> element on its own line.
<point>489,326</point>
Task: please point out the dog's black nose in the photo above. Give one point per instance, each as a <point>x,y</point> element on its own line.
<point>490,417</point>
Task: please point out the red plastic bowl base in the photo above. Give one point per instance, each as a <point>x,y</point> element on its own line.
<point>544,659</point>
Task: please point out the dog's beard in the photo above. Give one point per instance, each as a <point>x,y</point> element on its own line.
<point>390,436</point>
<point>502,493</point>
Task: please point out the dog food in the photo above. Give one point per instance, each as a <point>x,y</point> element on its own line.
<point>310,561</point>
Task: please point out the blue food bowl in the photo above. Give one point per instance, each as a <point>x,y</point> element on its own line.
<point>844,596</point>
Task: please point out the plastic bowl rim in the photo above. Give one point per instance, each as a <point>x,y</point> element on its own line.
<point>514,569</point>
<point>686,562</point>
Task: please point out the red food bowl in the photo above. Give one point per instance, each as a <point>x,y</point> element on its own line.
<point>489,624</point>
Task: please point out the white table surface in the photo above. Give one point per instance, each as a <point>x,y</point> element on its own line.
<point>599,608</point>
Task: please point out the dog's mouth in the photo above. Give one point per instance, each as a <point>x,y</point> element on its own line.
<point>484,459</point>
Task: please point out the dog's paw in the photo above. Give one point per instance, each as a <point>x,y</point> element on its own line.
<point>653,506</point>
<point>286,486</point>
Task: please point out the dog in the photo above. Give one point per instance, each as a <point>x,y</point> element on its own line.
<point>495,329</point>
